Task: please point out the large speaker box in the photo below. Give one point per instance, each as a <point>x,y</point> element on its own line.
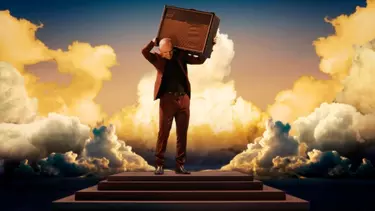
<point>190,30</point>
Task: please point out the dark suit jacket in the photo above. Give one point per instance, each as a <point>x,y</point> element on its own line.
<point>160,62</point>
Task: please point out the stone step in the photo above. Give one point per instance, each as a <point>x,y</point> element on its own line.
<point>180,185</point>
<point>200,191</point>
<point>172,176</point>
<point>289,204</point>
<point>267,193</point>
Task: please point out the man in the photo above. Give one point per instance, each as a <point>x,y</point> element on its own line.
<point>172,87</point>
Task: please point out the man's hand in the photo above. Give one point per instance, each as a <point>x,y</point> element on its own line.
<point>155,41</point>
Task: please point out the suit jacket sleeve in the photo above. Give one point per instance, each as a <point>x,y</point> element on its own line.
<point>151,57</point>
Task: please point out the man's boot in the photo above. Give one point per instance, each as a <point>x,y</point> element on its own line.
<point>159,170</point>
<point>180,169</point>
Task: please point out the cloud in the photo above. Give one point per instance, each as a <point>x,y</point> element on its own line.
<point>361,80</point>
<point>336,51</point>
<point>54,133</point>
<point>324,129</point>
<point>56,136</point>
<point>15,104</point>
<point>307,94</point>
<point>321,132</point>
<point>366,169</point>
<point>103,154</point>
<point>339,54</point>
<point>258,156</point>
<point>23,134</point>
<point>87,65</point>
<point>334,126</point>
<point>105,144</point>
<point>278,153</point>
<point>218,115</point>
<point>18,43</point>
<point>316,164</point>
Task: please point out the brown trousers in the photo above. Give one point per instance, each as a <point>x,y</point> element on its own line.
<point>170,107</point>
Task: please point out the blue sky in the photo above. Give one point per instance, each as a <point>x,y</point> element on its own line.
<point>274,36</point>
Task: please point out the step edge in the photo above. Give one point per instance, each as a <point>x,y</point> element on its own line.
<point>183,191</point>
<point>71,199</point>
<point>179,182</point>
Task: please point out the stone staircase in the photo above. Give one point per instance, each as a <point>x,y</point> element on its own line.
<point>200,191</point>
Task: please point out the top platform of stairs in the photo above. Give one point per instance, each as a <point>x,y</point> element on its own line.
<point>207,175</point>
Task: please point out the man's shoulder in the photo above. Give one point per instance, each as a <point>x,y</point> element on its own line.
<point>158,57</point>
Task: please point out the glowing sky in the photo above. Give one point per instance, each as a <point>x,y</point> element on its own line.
<point>272,39</point>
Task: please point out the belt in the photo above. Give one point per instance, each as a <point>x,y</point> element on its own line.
<point>176,93</point>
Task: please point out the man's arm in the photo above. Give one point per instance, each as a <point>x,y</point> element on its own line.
<point>190,59</point>
<point>151,57</point>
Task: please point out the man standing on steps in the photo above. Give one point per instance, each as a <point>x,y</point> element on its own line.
<point>172,87</point>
